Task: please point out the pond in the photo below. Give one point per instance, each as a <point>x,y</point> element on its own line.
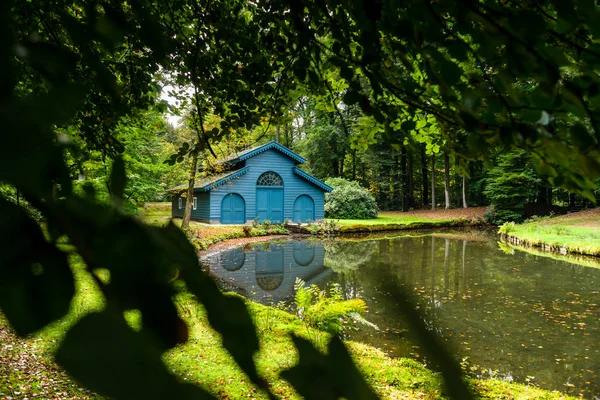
<point>509,314</point>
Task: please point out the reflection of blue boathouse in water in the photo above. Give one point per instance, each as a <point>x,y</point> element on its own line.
<point>267,272</point>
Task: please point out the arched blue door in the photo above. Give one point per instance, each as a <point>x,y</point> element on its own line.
<point>269,267</point>
<point>233,209</point>
<point>304,209</point>
<point>303,254</point>
<point>269,197</point>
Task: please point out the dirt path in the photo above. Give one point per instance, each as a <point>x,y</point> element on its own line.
<point>229,243</point>
<point>588,218</point>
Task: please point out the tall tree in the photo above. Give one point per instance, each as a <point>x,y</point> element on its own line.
<point>425,191</point>
<point>433,181</point>
<point>447,180</point>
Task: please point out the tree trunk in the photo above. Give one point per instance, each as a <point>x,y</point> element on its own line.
<point>404,179</point>
<point>187,213</point>
<point>411,182</point>
<point>424,173</point>
<point>354,164</point>
<point>571,201</point>
<point>433,181</point>
<point>464,192</point>
<point>277,133</point>
<point>447,181</point>
<point>286,132</point>
<point>446,267</point>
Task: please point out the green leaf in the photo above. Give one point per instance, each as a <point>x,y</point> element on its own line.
<point>103,353</point>
<point>160,318</point>
<point>351,97</point>
<point>431,344</point>
<point>235,326</point>
<point>310,376</point>
<point>299,69</point>
<point>457,49</point>
<point>582,137</point>
<point>347,73</point>
<point>36,283</point>
<point>344,372</point>
<point>408,125</point>
<point>331,376</point>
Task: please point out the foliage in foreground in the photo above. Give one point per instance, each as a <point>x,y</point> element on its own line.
<point>203,361</point>
<point>349,200</point>
<point>87,65</point>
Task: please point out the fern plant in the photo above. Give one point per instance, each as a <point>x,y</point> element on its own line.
<point>328,311</point>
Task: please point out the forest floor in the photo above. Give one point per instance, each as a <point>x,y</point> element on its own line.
<point>27,368</point>
<point>577,232</point>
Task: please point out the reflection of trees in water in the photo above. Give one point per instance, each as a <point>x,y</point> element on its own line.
<point>514,313</point>
<point>343,256</point>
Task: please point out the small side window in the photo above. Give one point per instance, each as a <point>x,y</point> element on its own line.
<point>195,205</point>
<point>180,203</point>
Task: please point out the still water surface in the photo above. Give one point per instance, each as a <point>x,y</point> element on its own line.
<point>516,316</point>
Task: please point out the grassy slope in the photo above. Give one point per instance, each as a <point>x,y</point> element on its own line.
<point>576,232</point>
<point>27,369</point>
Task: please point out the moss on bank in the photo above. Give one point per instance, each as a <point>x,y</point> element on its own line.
<point>203,361</point>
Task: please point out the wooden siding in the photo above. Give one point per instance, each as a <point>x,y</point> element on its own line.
<point>245,186</point>
<point>250,272</point>
<point>201,213</point>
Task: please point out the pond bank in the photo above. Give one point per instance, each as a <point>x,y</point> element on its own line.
<point>576,233</point>
<point>416,219</point>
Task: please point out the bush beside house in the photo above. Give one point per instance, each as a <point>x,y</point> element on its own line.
<point>349,200</point>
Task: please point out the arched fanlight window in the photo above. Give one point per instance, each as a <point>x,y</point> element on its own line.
<point>269,179</point>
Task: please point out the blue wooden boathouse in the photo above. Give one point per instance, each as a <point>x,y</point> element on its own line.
<point>263,182</point>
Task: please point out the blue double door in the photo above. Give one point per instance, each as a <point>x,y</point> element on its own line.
<point>269,204</point>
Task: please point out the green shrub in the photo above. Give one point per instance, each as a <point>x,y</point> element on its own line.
<point>349,200</point>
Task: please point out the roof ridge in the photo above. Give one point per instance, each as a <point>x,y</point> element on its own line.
<point>251,152</point>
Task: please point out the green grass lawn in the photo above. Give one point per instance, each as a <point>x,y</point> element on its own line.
<point>203,361</point>
<point>395,221</point>
<point>575,233</point>
<point>382,219</point>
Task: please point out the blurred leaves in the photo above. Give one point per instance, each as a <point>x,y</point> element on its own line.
<point>107,356</point>
<point>331,376</point>
<point>459,76</point>
<point>36,284</point>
